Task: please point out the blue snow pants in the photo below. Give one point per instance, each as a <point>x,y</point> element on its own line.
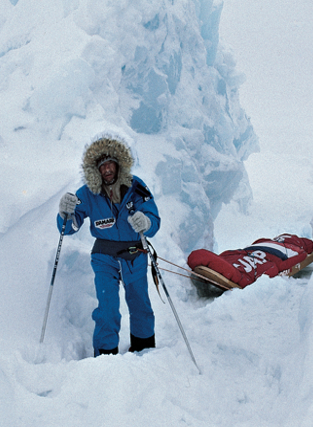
<point>108,273</point>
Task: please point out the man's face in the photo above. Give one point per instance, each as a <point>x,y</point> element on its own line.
<point>108,171</point>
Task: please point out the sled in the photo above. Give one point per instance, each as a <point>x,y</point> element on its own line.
<point>215,278</point>
<point>210,283</point>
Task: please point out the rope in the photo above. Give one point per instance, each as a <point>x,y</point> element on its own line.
<point>175,272</point>
<point>193,273</point>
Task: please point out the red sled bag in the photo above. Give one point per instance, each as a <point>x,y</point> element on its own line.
<point>215,262</point>
<point>264,256</point>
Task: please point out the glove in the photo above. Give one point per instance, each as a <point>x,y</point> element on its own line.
<point>67,205</point>
<point>139,221</point>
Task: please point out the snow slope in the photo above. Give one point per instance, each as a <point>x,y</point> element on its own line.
<point>62,82</point>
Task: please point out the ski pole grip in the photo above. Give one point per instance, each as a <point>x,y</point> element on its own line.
<point>143,240</point>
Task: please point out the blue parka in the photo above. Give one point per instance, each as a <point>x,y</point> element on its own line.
<point>109,221</point>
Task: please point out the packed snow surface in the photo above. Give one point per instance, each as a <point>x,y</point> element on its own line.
<point>165,78</point>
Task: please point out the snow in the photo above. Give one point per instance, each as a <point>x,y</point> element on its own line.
<point>228,159</point>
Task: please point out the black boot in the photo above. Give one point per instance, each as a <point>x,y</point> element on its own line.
<point>102,351</point>
<point>138,344</point>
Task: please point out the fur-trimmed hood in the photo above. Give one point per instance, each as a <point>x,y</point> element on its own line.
<point>111,147</point>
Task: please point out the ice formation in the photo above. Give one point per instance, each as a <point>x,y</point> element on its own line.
<point>156,73</point>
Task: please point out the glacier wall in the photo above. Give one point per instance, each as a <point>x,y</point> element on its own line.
<point>154,72</point>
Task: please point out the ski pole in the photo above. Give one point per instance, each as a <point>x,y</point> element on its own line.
<point>52,280</point>
<point>146,248</point>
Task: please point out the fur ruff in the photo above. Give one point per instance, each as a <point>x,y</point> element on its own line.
<point>113,148</point>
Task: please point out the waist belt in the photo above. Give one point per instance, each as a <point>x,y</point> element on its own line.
<point>125,250</point>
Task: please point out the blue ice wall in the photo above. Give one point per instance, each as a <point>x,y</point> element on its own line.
<point>185,83</point>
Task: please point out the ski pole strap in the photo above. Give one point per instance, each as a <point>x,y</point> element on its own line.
<point>153,270</point>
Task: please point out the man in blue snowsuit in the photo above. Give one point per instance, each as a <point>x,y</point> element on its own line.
<point>119,206</point>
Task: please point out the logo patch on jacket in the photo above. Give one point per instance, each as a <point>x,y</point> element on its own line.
<point>105,223</point>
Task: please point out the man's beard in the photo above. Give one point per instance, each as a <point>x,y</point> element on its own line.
<point>111,182</point>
